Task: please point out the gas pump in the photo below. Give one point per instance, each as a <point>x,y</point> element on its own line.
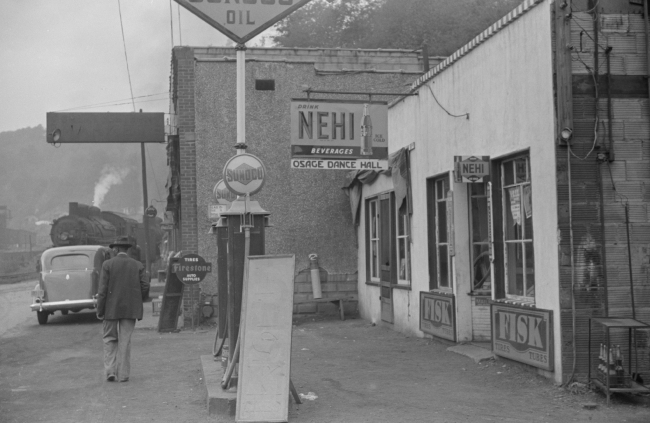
<point>240,232</point>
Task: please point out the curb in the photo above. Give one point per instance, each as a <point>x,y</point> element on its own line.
<point>218,401</point>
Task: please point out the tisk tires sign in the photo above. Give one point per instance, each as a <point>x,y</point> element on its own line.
<point>523,334</point>
<point>438,315</point>
<point>244,174</point>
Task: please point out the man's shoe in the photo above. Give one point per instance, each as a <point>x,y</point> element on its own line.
<point>124,380</point>
<point>111,378</point>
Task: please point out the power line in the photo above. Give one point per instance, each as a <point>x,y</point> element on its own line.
<point>119,7</point>
<point>171,20</point>
<point>114,102</point>
<point>180,33</point>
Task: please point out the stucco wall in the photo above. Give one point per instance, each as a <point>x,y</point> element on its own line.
<point>310,212</point>
<point>506,86</point>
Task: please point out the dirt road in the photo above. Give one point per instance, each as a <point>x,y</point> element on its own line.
<point>358,372</point>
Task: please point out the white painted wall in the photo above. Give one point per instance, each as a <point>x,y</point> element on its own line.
<point>506,86</point>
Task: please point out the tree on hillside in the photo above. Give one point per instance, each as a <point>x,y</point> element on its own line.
<point>445,25</point>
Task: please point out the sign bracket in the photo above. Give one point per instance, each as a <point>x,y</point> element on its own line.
<point>360,93</point>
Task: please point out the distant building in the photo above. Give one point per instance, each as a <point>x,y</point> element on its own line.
<point>14,238</point>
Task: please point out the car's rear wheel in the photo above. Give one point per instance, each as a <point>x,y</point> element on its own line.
<point>64,312</point>
<point>42,317</point>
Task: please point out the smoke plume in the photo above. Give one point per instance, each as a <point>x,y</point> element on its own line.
<point>110,176</point>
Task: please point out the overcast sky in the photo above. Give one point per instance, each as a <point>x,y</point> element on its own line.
<point>57,55</point>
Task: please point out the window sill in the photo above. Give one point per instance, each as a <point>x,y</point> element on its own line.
<point>401,286</point>
<point>371,283</point>
<point>441,292</point>
<point>520,303</point>
<point>479,294</point>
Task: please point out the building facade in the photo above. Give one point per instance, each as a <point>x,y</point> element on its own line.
<point>526,257</point>
<point>308,209</point>
<point>516,207</point>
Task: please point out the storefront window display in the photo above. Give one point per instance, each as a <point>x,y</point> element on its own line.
<point>439,260</point>
<point>516,196</point>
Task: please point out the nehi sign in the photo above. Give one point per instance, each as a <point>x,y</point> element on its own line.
<point>471,169</point>
<point>329,134</point>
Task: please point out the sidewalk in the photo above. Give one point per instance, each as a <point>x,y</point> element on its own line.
<point>352,371</point>
<point>357,372</point>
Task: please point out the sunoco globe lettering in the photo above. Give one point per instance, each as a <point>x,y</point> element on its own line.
<point>244,176</point>
<point>224,194</point>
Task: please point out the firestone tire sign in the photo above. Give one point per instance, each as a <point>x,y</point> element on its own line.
<point>241,20</point>
<point>244,174</point>
<point>191,269</point>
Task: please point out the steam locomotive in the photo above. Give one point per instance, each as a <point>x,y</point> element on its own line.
<point>88,225</point>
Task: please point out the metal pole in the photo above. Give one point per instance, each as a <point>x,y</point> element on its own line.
<point>629,256</point>
<point>241,93</point>
<point>145,219</point>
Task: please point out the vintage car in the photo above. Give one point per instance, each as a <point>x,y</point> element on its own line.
<point>69,279</point>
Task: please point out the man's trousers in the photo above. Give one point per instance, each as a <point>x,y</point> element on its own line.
<point>117,347</point>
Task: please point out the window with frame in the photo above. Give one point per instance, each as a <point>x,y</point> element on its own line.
<point>388,249</point>
<point>373,235</point>
<point>439,254</point>
<point>516,198</point>
<point>479,214</point>
<point>403,245</point>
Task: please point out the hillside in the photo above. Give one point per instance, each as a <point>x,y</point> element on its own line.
<point>37,180</point>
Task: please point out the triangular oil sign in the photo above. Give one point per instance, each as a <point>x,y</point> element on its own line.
<point>241,20</point>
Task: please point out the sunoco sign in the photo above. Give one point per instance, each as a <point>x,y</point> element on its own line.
<point>438,315</point>
<point>244,174</point>
<point>524,335</point>
<point>222,194</point>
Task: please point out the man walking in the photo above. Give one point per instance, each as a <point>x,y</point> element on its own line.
<point>121,292</point>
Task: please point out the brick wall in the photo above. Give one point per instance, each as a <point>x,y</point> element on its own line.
<point>600,189</point>
<point>184,79</point>
<point>332,285</point>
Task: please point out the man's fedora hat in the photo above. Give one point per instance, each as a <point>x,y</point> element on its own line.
<point>121,241</point>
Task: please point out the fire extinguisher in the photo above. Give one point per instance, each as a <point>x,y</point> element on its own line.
<point>315,276</point>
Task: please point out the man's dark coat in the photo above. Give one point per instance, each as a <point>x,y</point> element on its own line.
<point>122,288</point>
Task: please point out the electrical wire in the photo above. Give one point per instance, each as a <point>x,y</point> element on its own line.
<point>593,146</point>
<point>573,302</point>
<point>589,35</point>
<point>587,11</point>
<point>441,106</point>
<point>119,7</point>
<point>180,33</point>
<point>115,102</point>
<point>171,21</point>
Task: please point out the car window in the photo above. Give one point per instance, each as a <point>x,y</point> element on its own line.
<point>70,262</point>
